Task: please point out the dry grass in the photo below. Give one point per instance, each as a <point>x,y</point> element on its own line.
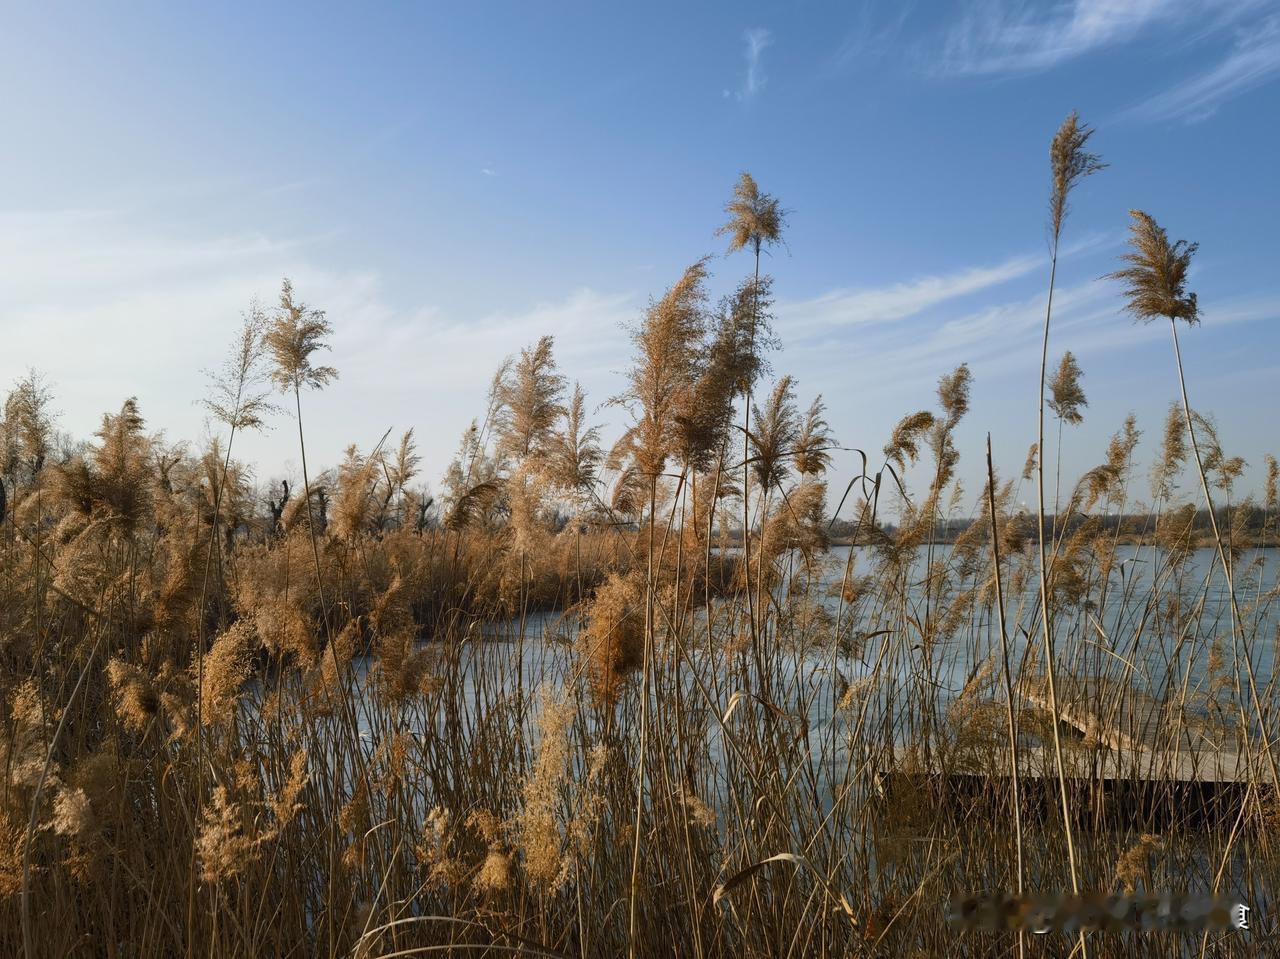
<point>341,722</point>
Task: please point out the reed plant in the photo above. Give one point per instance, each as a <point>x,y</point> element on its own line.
<point>636,702</point>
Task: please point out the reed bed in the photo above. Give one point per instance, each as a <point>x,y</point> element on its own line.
<point>629,701</point>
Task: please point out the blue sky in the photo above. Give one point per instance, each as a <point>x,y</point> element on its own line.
<point>451,181</point>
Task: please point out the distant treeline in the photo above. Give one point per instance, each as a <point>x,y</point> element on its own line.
<point>1249,525</point>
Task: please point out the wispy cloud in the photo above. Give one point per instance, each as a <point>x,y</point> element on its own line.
<point>292,186</point>
<point>586,324</point>
<point>93,299</point>
<point>1013,37</point>
<point>94,256</point>
<point>1244,310</point>
<point>843,308</point>
<point>873,34</point>
<point>1253,60</point>
<point>754,80</point>
<point>1000,340</point>
<point>488,171</point>
<point>871,374</point>
<point>425,366</point>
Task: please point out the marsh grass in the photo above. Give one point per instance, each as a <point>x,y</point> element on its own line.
<point>537,718</point>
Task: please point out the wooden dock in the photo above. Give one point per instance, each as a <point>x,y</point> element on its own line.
<point>1127,759</point>
<point>1140,737</point>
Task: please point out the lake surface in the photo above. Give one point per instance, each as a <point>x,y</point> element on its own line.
<point>1120,638</point>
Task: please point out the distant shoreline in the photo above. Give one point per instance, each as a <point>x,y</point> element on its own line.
<point>1201,542</point>
<point>1126,539</point>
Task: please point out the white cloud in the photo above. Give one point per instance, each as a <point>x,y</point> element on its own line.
<point>92,254</point>
<point>754,80</point>
<point>840,308</point>
<point>997,336</point>
<point>999,341</point>
<point>108,308</point>
<point>873,34</point>
<point>1010,37</point>
<point>1253,60</point>
<point>1246,310</point>
<point>462,353</point>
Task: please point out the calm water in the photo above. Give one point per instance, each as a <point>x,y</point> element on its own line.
<point>499,660</point>
<point>1118,636</point>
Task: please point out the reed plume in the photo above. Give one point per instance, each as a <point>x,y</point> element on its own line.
<point>530,404</point>
<point>904,444</point>
<point>799,523</point>
<point>574,462</point>
<point>1173,453</point>
<point>704,408</point>
<point>814,441</point>
<point>538,825</point>
<point>398,471</point>
<point>665,370</point>
<point>114,478</point>
<point>26,429</point>
<point>226,844</point>
<point>1134,864</point>
<point>1069,163</point>
<point>238,397</point>
<point>611,644</point>
<point>1155,286</point>
<point>225,669</point>
<point>354,510</point>
<point>473,505</point>
<point>755,219</point>
<point>137,700</point>
<point>774,438</point>
<point>293,339</point>
<point>1067,397</point>
<point>1155,279</point>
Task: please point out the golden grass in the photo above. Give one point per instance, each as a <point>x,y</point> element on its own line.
<point>334,723</point>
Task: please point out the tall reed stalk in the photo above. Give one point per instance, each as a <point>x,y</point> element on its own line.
<point>1070,163</point>
<point>1155,286</point>
<point>525,723</point>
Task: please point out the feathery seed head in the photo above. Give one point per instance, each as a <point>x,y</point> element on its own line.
<point>1156,278</point>
<point>495,872</point>
<point>904,444</point>
<point>236,394</point>
<point>295,335</point>
<point>953,394</point>
<point>1132,864</point>
<point>1173,453</point>
<point>1070,164</point>
<point>755,218</point>
<point>72,815</point>
<point>136,697</point>
<point>1068,397</point>
<point>612,642</point>
<point>776,430</point>
<point>225,843</point>
<point>665,370</point>
<point>1029,467</point>
<point>226,667</point>
<point>814,441</point>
